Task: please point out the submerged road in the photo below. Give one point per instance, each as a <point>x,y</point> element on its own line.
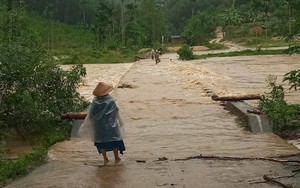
<point>169,116</point>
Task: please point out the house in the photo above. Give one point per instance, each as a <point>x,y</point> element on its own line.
<point>256,30</point>
<point>219,33</point>
<point>176,39</point>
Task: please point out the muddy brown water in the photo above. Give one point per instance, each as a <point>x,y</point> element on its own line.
<point>169,114</point>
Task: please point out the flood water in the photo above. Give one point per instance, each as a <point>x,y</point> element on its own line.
<point>168,114</point>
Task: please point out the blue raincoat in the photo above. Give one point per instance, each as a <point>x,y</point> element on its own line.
<point>104,124</point>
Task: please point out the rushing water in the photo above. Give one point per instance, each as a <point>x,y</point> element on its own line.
<point>169,114</point>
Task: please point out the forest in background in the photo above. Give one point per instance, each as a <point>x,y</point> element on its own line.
<point>147,23</point>
<point>82,31</point>
<point>36,36</point>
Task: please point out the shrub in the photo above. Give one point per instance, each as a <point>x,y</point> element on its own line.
<point>282,115</point>
<point>33,90</point>
<point>185,52</point>
<point>293,77</point>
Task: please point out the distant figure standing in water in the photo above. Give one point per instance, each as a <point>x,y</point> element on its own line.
<point>156,56</point>
<point>106,122</point>
<point>152,54</point>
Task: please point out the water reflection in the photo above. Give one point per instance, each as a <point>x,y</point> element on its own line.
<point>110,176</point>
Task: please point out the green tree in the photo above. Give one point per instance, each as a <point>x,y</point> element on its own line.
<point>132,31</point>
<point>83,6</point>
<point>199,29</point>
<point>291,4</point>
<point>151,22</point>
<point>49,12</point>
<point>231,18</point>
<point>104,20</point>
<point>263,7</point>
<point>33,90</point>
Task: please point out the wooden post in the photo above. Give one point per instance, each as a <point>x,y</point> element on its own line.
<point>236,98</point>
<point>74,115</point>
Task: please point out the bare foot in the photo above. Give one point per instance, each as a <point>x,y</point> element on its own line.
<point>106,161</point>
<point>117,160</point>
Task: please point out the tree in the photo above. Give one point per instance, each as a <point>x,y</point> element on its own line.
<point>151,22</point>
<point>132,32</point>
<point>263,6</point>
<point>49,12</point>
<point>83,5</point>
<point>123,22</point>
<point>199,29</point>
<point>231,17</point>
<point>33,90</point>
<point>104,20</point>
<point>291,4</point>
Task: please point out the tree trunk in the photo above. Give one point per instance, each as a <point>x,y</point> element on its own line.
<point>9,5</point>
<point>122,22</point>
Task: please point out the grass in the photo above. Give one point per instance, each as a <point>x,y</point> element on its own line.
<point>11,169</point>
<point>243,53</point>
<point>75,45</point>
<point>21,166</point>
<point>255,42</point>
<point>216,46</point>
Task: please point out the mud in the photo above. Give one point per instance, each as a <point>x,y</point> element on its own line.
<point>168,115</point>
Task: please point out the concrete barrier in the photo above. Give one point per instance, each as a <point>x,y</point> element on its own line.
<point>257,123</point>
<point>76,124</point>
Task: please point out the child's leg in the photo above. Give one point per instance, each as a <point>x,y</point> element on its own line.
<point>103,152</point>
<point>116,154</point>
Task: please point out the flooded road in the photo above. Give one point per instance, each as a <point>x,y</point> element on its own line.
<point>169,115</point>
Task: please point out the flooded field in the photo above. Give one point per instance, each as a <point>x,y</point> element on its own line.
<point>169,115</point>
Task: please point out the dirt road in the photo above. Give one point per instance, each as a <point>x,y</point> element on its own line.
<point>169,116</point>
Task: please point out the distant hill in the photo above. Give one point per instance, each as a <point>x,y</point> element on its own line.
<point>63,35</point>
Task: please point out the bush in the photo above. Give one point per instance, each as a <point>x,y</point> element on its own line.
<point>33,90</point>
<point>185,52</point>
<point>215,46</point>
<point>282,116</point>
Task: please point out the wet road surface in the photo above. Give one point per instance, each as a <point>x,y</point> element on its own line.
<point>168,114</point>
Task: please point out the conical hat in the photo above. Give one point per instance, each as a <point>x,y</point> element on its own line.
<point>102,89</point>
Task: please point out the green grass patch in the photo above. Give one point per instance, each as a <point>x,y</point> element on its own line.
<point>23,165</point>
<point>243,53</point>
<point>216,46</point>
<point>12,168</point>
<point>256,42</point>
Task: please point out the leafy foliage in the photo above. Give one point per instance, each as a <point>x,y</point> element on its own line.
<point>293,77</point>
<point>282,116</point>
<point>104,20</point>
<point>185,52</point>
<point>23,165</point>
<point>199,29</point>
<point>34,91</point>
